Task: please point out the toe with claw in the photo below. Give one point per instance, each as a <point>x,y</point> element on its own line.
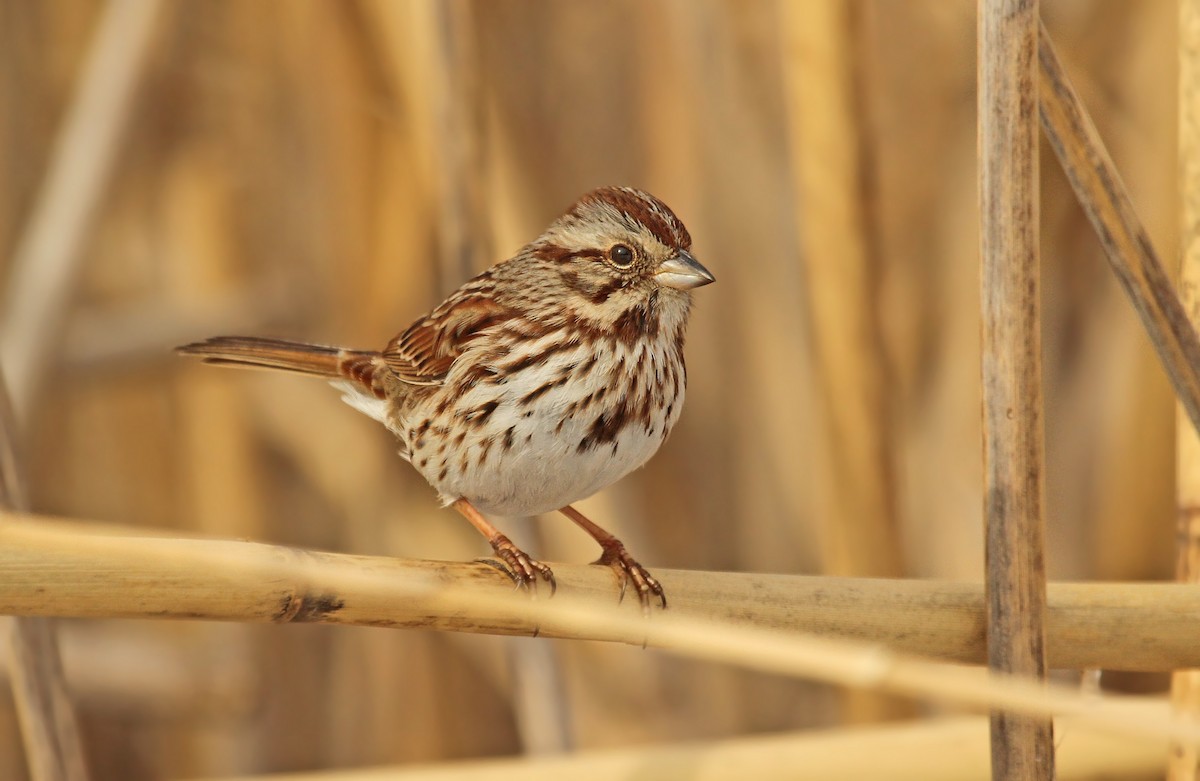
<point>514,562</point>
<point>629,570</point>
<point>524,570</point>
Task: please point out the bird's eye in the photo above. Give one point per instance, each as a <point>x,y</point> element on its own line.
<point>621,255</point>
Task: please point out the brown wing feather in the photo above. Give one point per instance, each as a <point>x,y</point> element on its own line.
<point>424,353</point>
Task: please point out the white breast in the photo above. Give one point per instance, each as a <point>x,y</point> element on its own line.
<point>548,437</point>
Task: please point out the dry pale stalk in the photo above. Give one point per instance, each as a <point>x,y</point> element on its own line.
<point>1012,384</point>
<point>944,749</point>
<point>286,577</point>
<point>270,583</point>
<point>83,569</point>
<point>1184,763</point>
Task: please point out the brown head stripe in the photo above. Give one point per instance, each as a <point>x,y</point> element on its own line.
<point>645,209</point>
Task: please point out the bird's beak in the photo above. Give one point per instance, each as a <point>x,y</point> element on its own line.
<point>683,272</point>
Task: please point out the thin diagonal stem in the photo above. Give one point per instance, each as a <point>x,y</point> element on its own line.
<point>1126,244</point>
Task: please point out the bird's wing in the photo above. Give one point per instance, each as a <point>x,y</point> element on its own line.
<point>423,354</point>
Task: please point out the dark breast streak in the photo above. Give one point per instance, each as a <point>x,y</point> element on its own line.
<point>647,392</point>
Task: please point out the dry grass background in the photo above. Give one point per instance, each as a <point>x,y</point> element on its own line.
<point>328,170</point>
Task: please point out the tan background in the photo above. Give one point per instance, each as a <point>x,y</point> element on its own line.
<point>329,170</point>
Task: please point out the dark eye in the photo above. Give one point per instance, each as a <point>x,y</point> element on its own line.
<point>620,255</point>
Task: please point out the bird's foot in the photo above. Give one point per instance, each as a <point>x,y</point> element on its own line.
<point>629,570</point>
<point>520,566</point>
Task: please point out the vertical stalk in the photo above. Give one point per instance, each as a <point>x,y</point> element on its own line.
<point>1022,748</point>
<point>1184,764</point>
<point>831,164</point>
<point>832,174</point>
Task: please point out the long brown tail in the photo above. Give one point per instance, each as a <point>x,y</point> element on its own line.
<point>253,352</point>
<point>259,353</point>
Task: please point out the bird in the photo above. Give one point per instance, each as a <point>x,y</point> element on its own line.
<point>539,382</point>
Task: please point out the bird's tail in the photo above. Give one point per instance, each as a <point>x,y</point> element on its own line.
<point>254,352</point>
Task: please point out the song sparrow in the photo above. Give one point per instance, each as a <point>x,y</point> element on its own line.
<point>537,383</point>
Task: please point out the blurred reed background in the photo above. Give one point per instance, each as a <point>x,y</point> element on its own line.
<point>329,170</point>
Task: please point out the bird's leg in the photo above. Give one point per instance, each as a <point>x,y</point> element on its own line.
<point>518,565</point>
<point>615,556</point>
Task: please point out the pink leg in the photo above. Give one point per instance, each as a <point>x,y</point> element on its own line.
<point>523,569</point>
<point>615,556</point>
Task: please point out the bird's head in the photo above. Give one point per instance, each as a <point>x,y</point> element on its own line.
<point>620,245</point>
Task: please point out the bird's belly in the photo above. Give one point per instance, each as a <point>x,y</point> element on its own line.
<point>530,456</point>
<point>543,472</point>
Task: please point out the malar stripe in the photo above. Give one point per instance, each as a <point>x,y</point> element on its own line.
<point>636,323</point>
